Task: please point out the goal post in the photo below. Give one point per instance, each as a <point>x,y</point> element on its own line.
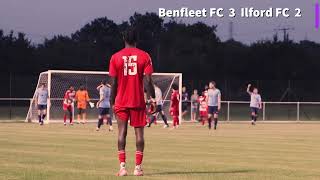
<point>58,82</point>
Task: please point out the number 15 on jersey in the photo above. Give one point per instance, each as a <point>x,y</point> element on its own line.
<point>130,65</point>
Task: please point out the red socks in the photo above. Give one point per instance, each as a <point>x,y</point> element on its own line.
<point>122,156</point>
<point>175,120</point>
<point>139,157</point>
<point>64,118</point>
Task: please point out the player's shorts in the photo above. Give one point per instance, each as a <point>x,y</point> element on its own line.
<point>159,108</point>
<point>174,112</point>
<point>137,116</point>
<point>81,110</point>
<point>82,105</point>
<point>67,107</point>
<point>184,106</point>
<point>42,106</point>
<point>203,113</point>
<point>104,111</point>
<point>213,110</point>
<point>254,110</point>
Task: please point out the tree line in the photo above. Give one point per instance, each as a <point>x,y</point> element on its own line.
<point>193,49</point>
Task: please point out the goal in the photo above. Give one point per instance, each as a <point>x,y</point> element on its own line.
<point>58,81</point>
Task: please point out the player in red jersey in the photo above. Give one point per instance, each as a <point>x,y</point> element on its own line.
<point>174,105</point>
<point>127,69</point>
<point>68,100</point>
<point>203,108</point>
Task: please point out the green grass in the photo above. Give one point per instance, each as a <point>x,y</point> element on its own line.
<point>235,151</point>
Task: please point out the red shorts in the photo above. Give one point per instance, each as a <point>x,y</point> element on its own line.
<point>174,112</point>
<point>137,116</point>
<point>204,113</point>
<point>67,107</point>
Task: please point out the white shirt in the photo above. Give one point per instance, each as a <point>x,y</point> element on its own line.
<point>255,100</point>
<point>213,96</point>
<point>158,96</point>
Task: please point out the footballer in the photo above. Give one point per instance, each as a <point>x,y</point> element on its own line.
<point>68,104</point>
<point>214,104</point>
<point>41,100</point>
<point>127,70</point>
<point>255,103</point>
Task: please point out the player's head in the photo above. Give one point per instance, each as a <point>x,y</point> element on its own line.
<point>255,90</point>
<point>130,36</point>
<point>82,88</point>
<point>184,89</point>
<point>195,91</point>
<point>43,85</point>
<point>212,84</point>
<point>71,88</point>
<point>175,87</point>
<point>104,82</point>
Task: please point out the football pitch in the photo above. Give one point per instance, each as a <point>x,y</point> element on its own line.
<point>234,151</point>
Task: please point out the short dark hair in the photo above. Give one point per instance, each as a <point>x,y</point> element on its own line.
<point>130,36</point>
<point>175,87</point>
<point>213,82</point>
<point>104,82</point>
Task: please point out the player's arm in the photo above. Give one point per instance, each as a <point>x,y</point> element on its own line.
<point>101,98</point>
<point>36,99</point>
<point>219,101</point>
<point>260,102</point>
<point>248,89</point>
<point>98,87</point>
<point>114,85</point>
<point>149,86</point>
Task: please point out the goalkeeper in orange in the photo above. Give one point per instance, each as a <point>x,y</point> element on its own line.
<point>82,99</point>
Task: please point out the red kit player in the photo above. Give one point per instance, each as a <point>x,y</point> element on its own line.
<point>127,69</point>
<point>68,101</point>
<point>203,108</point>
<point>174,105</point>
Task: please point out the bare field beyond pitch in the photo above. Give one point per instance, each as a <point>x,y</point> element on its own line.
<point>234,151</point>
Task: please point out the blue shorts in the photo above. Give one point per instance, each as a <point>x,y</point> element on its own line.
<point>213,110</point>
<point>104,111</point>
<point>254,110</point>
<point>42,107</point>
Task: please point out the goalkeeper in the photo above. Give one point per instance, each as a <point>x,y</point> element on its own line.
<point>82,98</point>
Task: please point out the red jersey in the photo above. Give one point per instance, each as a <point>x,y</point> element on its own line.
<point>203,104</point>
<point>129,66</point>
<point>175,99</point>
<point>69,97</point>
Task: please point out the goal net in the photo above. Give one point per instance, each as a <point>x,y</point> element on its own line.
<point>58,82</point>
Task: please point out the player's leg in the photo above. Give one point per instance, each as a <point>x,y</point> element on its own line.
<point>79,115</point>
<point>152,119</point>
<point>253,114</point>
<point>84,116</point>
<point>139,132</point>
<point>65,114</point>
<point>70,109</point>
<point>138,121</point>
<point>100,118</point>
<point>215,117</point>
<point>163,116</point>
<point>109,120</point>
<point>256,114</point>
<point>39,114</point>
<point>44,113</point>
<point>209,121</point>
<point>122,116</point>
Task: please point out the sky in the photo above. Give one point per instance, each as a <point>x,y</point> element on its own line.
<point>41,19</point>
